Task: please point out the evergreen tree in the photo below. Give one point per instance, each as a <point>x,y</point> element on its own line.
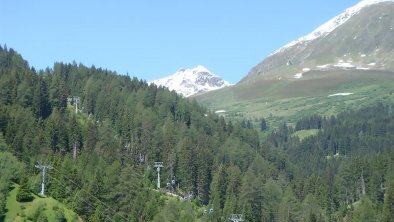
<point>263,125</point>
<point>388,208</point>
<point>311,211</point>
<point>24,193</point>
<point>289,208</point>
<point>365,211</point>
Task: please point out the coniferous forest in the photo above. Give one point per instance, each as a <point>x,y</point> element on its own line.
<point>102,133</point>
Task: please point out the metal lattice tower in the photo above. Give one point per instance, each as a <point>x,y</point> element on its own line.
<point>76,101</point>
<point>236,217</point>
<point>44,169</point>
<point>158,165</point>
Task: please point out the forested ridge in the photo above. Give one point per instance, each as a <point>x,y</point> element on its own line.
<point>103,154</point>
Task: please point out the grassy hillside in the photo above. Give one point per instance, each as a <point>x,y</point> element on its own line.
<point>40,207</point>
<point>289,99</point>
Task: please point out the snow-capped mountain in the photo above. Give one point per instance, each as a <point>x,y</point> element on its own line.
<point>345,61</point>
<point>361,38</point>
<point>189,82</point>
<point>332,24</point>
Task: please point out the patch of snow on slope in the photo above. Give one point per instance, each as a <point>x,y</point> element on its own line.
<point>220,111</point>
<point>341,94</point>
<point>332,24</point>
<point>323,66</point>
<point>298,75</point>
<point>345,65</point>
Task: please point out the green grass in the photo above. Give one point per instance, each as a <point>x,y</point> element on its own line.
<point>17,211</point>
<point>302,134</point>
<point>289,100</point>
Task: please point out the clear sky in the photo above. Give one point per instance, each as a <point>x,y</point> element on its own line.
<point>153,39</point>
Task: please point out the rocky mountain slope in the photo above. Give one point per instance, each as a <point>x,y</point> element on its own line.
<point>359,38</point>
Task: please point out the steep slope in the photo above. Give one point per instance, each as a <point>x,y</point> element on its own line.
<point>351,55</point>
<point>102,155</point>
<point>360,37</point>
<point>47,207</point>
<point>189,82</point>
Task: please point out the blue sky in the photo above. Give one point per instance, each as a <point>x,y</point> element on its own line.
<point>153,39</point>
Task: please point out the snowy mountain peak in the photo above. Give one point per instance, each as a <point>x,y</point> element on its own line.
<point>332,24</point>
<point>189,82</point>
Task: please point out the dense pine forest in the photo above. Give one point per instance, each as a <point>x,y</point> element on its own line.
<point>102,132</point>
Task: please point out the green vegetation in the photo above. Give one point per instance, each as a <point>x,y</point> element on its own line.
<point>102,156</point>
<point>289,100</point>
<point>39,209</point>
<point>302,134</point>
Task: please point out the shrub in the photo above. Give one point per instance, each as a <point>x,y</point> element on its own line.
<point>24,194</point>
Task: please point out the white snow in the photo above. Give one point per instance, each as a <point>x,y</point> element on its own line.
<point>341,94</point>
<point>362,68</point>
<point>189,82</point>
<point>298,75</point>
<point>372,64</point>
<point>331,25</point>
<point>344,65</point>
<point>363,55</point>
<point>323,66</point>
<point>220,111</point>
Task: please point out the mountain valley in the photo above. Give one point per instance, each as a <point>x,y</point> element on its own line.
<point>306,136</point>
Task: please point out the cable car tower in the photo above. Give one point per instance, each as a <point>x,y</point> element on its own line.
<point>236,218</point>
<point>158,165</point>
<point>76,101</point>
<point>44,169</point>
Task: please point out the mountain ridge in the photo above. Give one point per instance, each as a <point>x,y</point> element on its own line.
<point>359,37</point>
<point>332,24</point>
